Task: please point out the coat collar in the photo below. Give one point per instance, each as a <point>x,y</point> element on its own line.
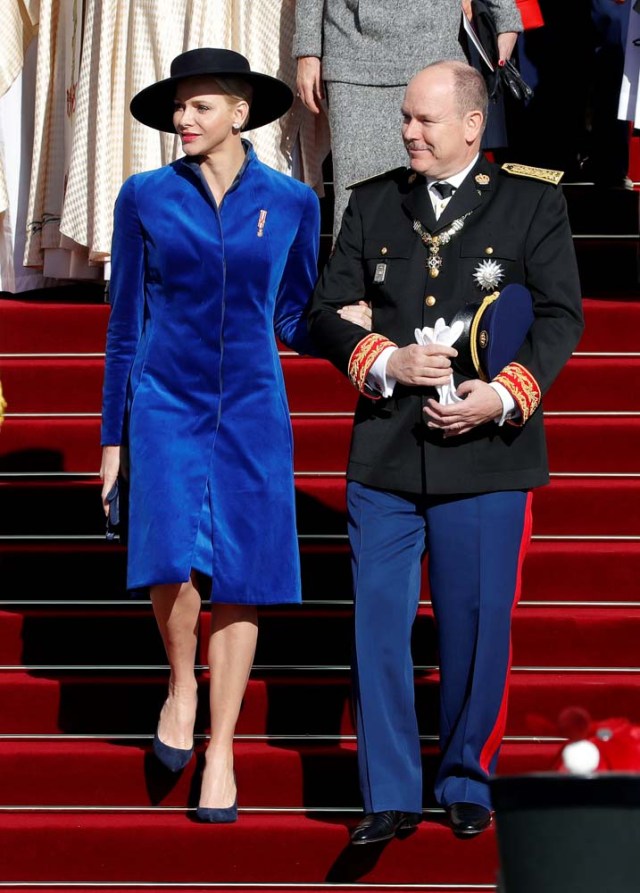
<point>194,165</point>
<point>471,194</point>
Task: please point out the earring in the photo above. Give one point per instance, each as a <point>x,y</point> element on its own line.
<point>236,127</point>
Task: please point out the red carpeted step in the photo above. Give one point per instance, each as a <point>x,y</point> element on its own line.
<point>587,384</point>
<point>608,267</point>
<point>571,571</point>
<point>596,384</point>
<point>581,444</point>
<point>66,570</point>
<point>31,327</point>
<point>554,572</point>
<point>590,445</point>
<point>52,385</point>
<point>75,385</point>
<point>308,636</point>
<point>570,506</point>
<point>582,571</point>
<point>284,774</point>
<point>167,848</point>
<point>305,703</point>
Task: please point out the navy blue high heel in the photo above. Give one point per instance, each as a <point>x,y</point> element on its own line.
<point>226,815</point>
<point>218,816</point>
<point>173,758</point>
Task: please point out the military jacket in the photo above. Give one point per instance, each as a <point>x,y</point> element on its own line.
<point>521,224</point>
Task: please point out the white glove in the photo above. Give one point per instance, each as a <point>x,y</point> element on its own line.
<point>442,334</point>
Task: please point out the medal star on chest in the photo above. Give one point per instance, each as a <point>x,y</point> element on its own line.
<point>488,274</point>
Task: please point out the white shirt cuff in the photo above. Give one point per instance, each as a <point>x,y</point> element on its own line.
<point>509,409</point>
<point>377,378</point>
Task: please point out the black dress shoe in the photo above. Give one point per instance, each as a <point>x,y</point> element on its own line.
<point>468,819</point>
<point>377,826</point>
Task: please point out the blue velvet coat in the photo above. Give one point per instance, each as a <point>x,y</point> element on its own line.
<point>193,381</point>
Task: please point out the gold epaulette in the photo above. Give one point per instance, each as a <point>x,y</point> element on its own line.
<point>534,173</point>
<point>377,176</point>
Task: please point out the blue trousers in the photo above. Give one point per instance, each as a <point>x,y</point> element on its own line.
<point>476,546</point>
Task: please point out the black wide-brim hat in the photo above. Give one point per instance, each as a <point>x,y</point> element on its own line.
<point>495,328</point>
<point>153,106</point>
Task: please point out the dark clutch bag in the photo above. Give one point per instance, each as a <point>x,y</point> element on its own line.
<point>117,517</point>
<point>504,78</point>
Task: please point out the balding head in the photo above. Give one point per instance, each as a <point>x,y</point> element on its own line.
<point>444,113</point>
<point>468,85</point>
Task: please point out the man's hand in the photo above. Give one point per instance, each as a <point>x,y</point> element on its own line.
<point>309,82</point>
<point>481,404</point>
<point>109,472</point>
<point>419,366</point>
<point>506,43</point>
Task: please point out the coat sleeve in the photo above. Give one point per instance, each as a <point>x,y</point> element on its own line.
<point>298,278</point>
<point>551,274</point>
<point>307,40</point>
<point>505,15</point>
<point>531,14</point>
<point>126,291</point>
<point>352,349</point>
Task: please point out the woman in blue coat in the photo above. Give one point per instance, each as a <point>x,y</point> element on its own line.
<point>213,256</point>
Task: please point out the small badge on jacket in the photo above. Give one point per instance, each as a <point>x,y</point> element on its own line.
<point>381,272</point>
<point>262,219</point>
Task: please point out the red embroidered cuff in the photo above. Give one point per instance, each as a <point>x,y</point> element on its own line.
<point>365,353</point>
<point>523,387</point>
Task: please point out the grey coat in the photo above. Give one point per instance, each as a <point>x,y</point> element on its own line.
<point>385,42</point>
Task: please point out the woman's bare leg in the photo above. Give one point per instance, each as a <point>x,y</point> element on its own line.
<point>234,632</point>
<point>177,608</point>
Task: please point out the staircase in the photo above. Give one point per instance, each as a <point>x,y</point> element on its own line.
<point>83,803</point>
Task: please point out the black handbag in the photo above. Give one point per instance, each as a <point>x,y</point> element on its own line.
<point>118,514</point>
<point>503,78</point>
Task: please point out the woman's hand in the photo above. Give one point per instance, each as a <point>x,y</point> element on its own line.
<point>506,43</point>
<point>109,472</point>
<point>309,82</point>
<point>359,314</point>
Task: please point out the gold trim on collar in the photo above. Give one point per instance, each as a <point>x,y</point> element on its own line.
<point>535,173</point>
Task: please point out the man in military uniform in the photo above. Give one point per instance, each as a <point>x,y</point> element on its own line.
<point>449,478</point>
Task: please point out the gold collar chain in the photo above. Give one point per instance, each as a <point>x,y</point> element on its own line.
<point>433,243</point>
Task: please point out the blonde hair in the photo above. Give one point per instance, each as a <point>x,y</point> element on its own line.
<point>236,90</point>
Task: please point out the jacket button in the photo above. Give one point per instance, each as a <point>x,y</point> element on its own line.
<point>384,249</point>
<point>488,250</point>
<point>430,300</point>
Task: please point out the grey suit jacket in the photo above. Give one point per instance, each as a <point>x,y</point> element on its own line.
<point>385,42</point>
